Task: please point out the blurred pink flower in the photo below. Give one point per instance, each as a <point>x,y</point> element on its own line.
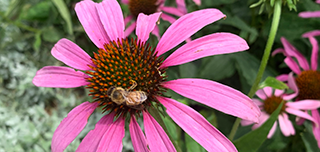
<point>310,14</point>
<point>270,100</point>
<point>308,77</point>
<point>149,7</point>
<point>119,62</point>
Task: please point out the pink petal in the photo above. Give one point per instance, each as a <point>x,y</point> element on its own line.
<point>292,65</point>
<point>299,114</point>
<point>71,126</point>
<point>172,10</point>
<point>186,26</point>
<point>268,91</point>
<point>246,122</point>
<point>316,128</point>
<point>138,139</point>
<point>128,19</point>
<point>278,93</point>
<point>197,126</point>
<point>318,1</point>
<point>260,93</point>
<point>217,96</point>
<point>125,1</point>
<point>293,52</point>
<point>314,55</point>
<point>198,2</point>
<point>145,24</point>
<point>213,44</point>
<point>292,85</point>
<point>130,29</point>
<point>311,33</point>
<point>112,19</point>
<point>278,50</point>
<point>272,130</point>
<point>89,18</point>
<point>71,54</point>
<point>304,104</point>
<point>263,118</point>
<point>309,14</point>
<point>156,32</point>
<point>91,141</point>
<point>282,77</point>
<point>286,126</point>
<point>158,139</point>
<point>59,77</point>
<point>257,102</point>
<point>168,18</point>
<point>112,139</point>
<point>181,5</point>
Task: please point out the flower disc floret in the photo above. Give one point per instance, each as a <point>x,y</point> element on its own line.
<point>272,103</point>
<point>308,83</point>
<point>143,6</point>
<point>120,64</point>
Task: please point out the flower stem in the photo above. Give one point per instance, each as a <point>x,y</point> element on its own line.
<point>265,58</point>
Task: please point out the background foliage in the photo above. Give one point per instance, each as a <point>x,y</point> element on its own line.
<point>29,29</point>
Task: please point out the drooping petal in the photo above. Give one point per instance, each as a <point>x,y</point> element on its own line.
<point>246,122</point>
<point>59,77</point>
<point>292,65</point>
<point>168,18</point>
<point>186,26</point>
<point>71,126</point>
<point>128,19</point>
<point>217,96</point>
<point>282,77</point>
<point>316,128</point>
<point>278,50</point>
<point>145,24</point>
<point>311,33</point>
<point>112,19</point>
<point>90,20</point>
<point>300,114</point>
<point>272,130</point>
<point>304,104</point>
<point>198,2</point>
<point>157,138</point>
<point>71,54</point>
<point>138,139</point>
<point>130,29</point>
<point>172,10</point>
<point>257,102</point>
<point>181,5</point>
<point>156,32</point>
<point>213,44</point>
<point>314,55</point>
<point>268,91</point>
<point>197,126</point>
<point>286,126</point>
<point>293,52</point>
<point>112,139</point>
<point>309,14</point>
<point>278,92</point>
<point>263,118</point>
<point>91,141</point>
<point>292,85</point>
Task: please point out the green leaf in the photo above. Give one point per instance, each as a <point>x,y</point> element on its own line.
<point>39,12</point>
<point>274,83</point>
<point>192,145</point>
<point>254,139</point>
<point>63,10</point>
<point>217,67</point>
<point>308,138</point>
<point>188,70</point>
<point>51,34</point>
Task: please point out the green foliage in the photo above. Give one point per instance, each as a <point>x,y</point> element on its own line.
<point>253,140</point>
<point>274,83</point>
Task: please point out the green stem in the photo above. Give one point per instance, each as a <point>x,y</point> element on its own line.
<point>19,24</point>
<point>265,58</point>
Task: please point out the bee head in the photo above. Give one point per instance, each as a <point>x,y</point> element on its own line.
<point>110,90</point>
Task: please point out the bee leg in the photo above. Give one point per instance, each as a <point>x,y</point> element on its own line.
<point>134,84</point>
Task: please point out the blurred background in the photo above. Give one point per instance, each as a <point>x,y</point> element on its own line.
<point>30,28</point>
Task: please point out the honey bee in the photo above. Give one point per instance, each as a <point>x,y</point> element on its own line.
<point>128,97</point>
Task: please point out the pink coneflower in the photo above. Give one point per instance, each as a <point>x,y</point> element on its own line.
<point>310,14</point>
<point>149,7</point>
<point>270,100</point>
<point>133,66</point>
<point>308,77</point>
